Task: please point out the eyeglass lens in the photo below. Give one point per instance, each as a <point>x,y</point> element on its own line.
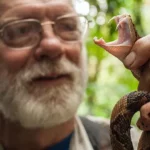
<point>26,33</point>
<point>21,33</point>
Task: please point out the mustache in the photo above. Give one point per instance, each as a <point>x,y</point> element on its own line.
<point>47,67</point>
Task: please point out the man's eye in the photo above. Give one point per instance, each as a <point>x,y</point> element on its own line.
<point>22,29</point>
<point>18,30</point>
<point>66,25</point>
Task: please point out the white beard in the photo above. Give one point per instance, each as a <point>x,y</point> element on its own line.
<point>36,107</point>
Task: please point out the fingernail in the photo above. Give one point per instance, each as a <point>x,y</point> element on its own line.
<point>130,59</point>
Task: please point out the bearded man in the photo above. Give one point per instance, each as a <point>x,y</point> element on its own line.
<point>43,76</point>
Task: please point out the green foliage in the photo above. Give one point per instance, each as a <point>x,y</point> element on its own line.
<point>108,78</point>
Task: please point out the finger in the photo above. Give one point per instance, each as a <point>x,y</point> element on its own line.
<point>145,111</point>
<point>140,53</point>
<point>144,122</point>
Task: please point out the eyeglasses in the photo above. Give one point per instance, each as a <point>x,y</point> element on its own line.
<point>28,32</point>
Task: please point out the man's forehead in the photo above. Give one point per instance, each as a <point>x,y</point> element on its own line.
<point>4,4</point>
<point>7,2</point>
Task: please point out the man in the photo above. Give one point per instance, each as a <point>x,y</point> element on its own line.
<point>43,76</point>
<point>43,73</point>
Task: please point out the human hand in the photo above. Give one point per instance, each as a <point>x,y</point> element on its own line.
<point>139,54</point>
<point>134,52</point>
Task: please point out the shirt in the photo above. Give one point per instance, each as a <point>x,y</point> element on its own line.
<point>63,145</point>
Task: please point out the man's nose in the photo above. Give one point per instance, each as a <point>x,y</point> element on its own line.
<point>50,45</point>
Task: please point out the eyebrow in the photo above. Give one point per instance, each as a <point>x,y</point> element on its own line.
<point>18,13</point>
<point>7,20</point>
<point>67,15</point>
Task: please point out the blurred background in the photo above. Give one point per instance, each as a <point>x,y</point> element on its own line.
<point>108,78</point>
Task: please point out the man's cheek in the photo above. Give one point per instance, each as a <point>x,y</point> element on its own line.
<point>74,54</point>
<point>14,60</point>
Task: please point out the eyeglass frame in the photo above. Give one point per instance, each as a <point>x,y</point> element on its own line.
<point>49,22</point>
